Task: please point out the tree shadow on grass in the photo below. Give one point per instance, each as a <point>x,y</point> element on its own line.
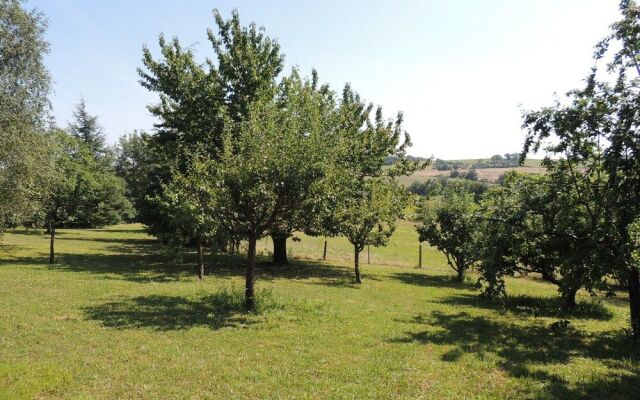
<point>527,351</point>
<point>533,306</point>
<point>441,281</point>
<point>164,313</point>
<point>321,273</point>
<point>108,230</point>
<point>146,260</point>
<point>303,270</point>
<point>128,242</point>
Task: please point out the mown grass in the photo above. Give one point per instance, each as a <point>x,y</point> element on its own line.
<point>119,317</point>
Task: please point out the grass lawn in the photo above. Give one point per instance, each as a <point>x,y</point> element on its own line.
<point>119,317</point>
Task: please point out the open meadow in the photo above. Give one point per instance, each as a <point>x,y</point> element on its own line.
<point>120,316</point>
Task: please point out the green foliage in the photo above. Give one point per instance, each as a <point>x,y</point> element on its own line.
<point>364,198</point>
<point>191,108</point>
<point>434,186</point>
<point>248,63</point>
<point>509,160</point>
<point>80,191</point>
<point>24,80</point>
<point>597,134</point>
<point>634,235</point>
<point>86,128</point>
<point>532,227</point>
<point>25,169</point>
<point>451,224</point>
<point>367,215</point>
<point>24,106</point>
<point>272,161</point>
<point>188,202</point>
<point>134,164</point>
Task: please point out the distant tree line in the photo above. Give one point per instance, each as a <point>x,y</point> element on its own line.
<point>509,160</point>
<point>435,186</point>
<point>390,160</point>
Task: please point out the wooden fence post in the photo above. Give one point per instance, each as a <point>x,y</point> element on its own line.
<point>368,255</point>
<point>420,255</point>
<point>324,253</point>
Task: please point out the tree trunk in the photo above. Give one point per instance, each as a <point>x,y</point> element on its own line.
<point>250,274</point>
<point>200,260</point>
<point>280,249</point>
<point>461,274</point>
<point>357,264</point>
<point>52,233</point>
<point>569,299</point>
<point>634,299</point>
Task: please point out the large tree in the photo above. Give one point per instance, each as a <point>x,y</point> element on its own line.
<point>267,161</point>
<point>24,111</point>
<point>200,101</point>
<point>25,82</point>
<point>316,119</point>
<point>365,198</point>
<point>602,122</point>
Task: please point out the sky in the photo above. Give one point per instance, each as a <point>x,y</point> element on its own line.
<point>462,71</point>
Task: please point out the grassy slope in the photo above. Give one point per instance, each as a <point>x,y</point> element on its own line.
<point>118,318</point>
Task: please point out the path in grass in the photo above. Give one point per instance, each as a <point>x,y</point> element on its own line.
<point>119,317</point>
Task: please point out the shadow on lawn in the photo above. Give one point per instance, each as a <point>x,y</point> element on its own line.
<point>526,352</point>
<point>165,313</point>
<point>533,306</point>
<point>127,242</point>
<point>447,281</point>
<point>146,260</point>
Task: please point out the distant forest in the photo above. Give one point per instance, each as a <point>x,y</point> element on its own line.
<point>507,160</point>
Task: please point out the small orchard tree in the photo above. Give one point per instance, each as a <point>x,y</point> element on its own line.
<point>188,203</point>
<point>367,215</point>
<point>451,225</point>
<point>365,199</point>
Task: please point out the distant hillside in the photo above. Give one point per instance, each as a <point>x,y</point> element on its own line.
<point>509,160</point>
<point>488,169</point>
<point>484,174</point>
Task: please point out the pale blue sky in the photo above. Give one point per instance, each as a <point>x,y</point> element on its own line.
<point>459,69</point>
